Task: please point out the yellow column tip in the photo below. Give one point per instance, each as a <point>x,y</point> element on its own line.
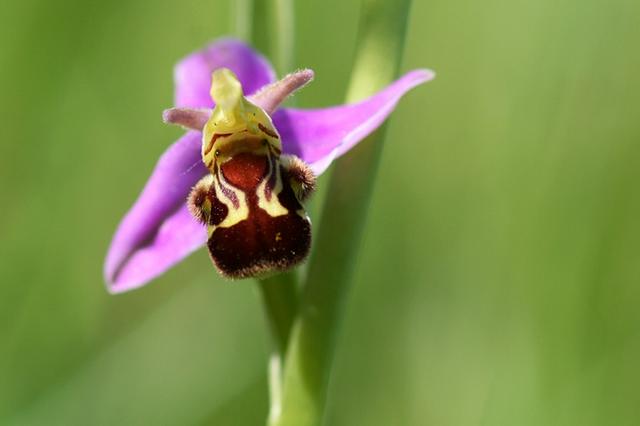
<point>226,92</point>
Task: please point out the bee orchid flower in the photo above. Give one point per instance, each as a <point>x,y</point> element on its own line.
<point>237,179</point>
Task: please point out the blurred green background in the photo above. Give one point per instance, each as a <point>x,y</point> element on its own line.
<point>499,281</point>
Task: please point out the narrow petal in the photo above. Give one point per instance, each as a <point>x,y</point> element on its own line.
<point>193,74</point>
<point>156,233</point>
<point>189,118</point>
<point>270,97</point>
<point>318,136</point>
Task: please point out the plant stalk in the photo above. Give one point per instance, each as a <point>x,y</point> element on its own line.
<point>280,292</point>
<point>312,342</point>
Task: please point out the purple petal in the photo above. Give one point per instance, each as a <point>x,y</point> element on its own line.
<point>318,136</point>
<point>178,236</point>
<point>193,74</point>
<point>158,231</point>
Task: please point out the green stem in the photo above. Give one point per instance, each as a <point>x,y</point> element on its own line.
<point>279,293</point>
<point>242,12</point>
<point>280,299</point>
<point>273,28</point>
<point>261,26</point>
<point>283,20</point>
<point>311,348</point>
<point>272,33</point>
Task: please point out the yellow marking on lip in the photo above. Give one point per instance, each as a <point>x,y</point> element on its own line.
<point>234,215</point>
<point>272,206</point>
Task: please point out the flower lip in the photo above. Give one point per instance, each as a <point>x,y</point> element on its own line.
<point>159,231</point>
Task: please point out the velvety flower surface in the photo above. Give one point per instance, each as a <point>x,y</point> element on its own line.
<point>158,231</point>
